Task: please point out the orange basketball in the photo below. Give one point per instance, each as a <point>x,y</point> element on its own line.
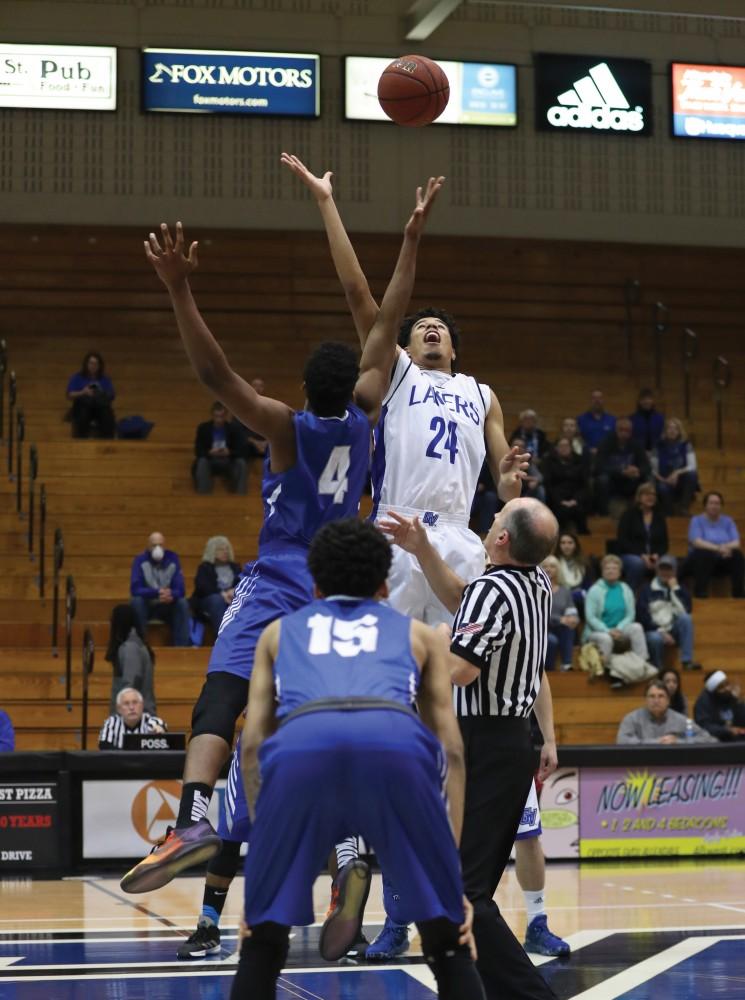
<point>413,90</point>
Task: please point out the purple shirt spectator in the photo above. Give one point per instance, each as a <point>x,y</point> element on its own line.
<point>7,735</point>
<point>718,532</point>
<point>78,382</point>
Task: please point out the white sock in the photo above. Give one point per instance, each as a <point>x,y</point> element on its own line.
<point>346,851</point>
<point>535,903</point>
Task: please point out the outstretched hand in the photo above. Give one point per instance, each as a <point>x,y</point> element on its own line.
<point>425,199</point>
<point>320,187</point>
<point>406,532</point>
<point>514,466</point>
<point>171,265</point>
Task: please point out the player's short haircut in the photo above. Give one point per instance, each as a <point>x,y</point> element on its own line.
<point>404,334</point>
<point>330,375</point>
<point>530,543</point>
<point>350,557</point>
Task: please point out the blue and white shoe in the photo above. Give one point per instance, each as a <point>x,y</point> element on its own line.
<point>392,941</point>
<point>539,940</point>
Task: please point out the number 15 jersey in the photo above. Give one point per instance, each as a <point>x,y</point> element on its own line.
<point>429,441</point>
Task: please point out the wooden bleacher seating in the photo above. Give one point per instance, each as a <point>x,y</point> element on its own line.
<point>542,322</point>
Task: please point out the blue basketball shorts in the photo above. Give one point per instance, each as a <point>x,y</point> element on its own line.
<point>234,822</point>
<point>328,775</point>
<point>272,586</point>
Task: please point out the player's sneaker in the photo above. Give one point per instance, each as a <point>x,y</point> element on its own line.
<point>392,941</point>
<point>179,850</point>
<point>204,941</point>
<point>343,923</point>
<point>539,940</point>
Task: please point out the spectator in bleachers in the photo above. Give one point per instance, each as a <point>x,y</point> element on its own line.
<point>657,722</point>
<point>641,536</point>
<point>719,709</point>
<point>570,430</point>
<point>217,448</point>
<point>575,570</point>
<point>564,619</point>
<point>565,480</point>
<point>157,590</point>
<point>714,548</point>
<point>647,423</point>
<point>130,717</point>
<point>7,733</point>
<point>610,613</point>
<point>621,465</point>
<point>215,582</point>
<point>595,424</point>
<point>675,468</point>
<point>663,608</point>
<point>532,484</point>
<point>529,432</point>
<point>91,393</point>
<point>251,444</point>
<point>131,659</point>
<point>678,701</point>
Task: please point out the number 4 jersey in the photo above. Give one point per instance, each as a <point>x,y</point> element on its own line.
<point>429,442</point>
<point>324,484</point>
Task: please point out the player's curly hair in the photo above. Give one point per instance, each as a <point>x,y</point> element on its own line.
<point>350,557</point>
<point>330,375</point>
<point>404,333</point>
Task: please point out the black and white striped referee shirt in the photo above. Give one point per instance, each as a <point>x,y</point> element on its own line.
<point>113,730</point>
<point>501,627</point>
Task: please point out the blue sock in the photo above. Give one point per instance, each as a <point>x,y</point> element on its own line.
<point>211,913</point>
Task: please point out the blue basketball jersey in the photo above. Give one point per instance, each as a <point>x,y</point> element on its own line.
<point>325,483</point>
<point>344,647</point>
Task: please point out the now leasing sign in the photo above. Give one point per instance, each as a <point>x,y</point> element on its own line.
<point>591,94</point>
<point>200,81</point>
<point>66,77</point>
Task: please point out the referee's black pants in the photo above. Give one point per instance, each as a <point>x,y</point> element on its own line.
<point>499,770</point>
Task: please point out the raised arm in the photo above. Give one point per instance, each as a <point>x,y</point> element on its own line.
<point>411,536</point>
<point>507,465</point>
<point>267,416</point>
<point>362,305</point>
<point>379,352</point>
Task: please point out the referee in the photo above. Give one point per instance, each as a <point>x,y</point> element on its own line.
<point>497,652</point>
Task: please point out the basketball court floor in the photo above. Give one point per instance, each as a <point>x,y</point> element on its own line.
<point>639,931</point>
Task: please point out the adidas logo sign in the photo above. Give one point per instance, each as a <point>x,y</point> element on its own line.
<point>596,101</point>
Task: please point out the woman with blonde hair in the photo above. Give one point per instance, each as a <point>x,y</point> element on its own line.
<point>675,468</point>
<point>215,582</point>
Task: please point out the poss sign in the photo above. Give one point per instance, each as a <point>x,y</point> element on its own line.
<point>196,81</point>
<point>66,77</point>
<point>593,95</point>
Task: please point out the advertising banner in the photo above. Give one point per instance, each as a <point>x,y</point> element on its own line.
<point>125,819</point>
<point>65,77</point>
<point>198,81</point>
<point>593,95</point>
<point>480,93</point>
<point>29,825</point>
<point>708,101</point>
<point>662,811</point>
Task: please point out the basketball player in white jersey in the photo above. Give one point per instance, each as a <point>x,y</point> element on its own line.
<point>435,428</point>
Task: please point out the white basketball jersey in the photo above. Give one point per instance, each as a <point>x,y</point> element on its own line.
<point>429,441</point>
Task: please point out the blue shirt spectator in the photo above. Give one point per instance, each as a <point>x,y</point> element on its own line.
<point>91,393</point>
<point>7,734</point>
<point>647,423</point>
<point>714,548</point>
<point>595,423</point>
<point>157,589</point>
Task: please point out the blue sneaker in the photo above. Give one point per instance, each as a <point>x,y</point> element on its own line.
<point>392,941</point>
<point>540,941</point>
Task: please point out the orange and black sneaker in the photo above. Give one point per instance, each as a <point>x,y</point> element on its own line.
<point>179,850</point>
<point>343,924</point>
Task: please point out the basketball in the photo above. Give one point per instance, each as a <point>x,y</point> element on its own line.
<point>413,91</point>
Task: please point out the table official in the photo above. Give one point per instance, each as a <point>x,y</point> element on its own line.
<point>497,653</point>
